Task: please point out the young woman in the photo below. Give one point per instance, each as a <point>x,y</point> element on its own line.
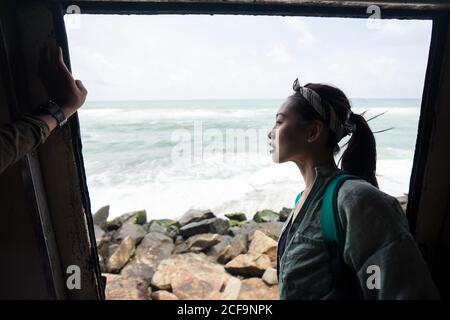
<point>380,258</point>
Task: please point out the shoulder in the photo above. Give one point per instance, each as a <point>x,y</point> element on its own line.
<point>359,197</point>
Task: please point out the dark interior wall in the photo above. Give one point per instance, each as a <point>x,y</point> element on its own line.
<point>47,229</point>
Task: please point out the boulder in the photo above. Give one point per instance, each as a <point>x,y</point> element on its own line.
<point>154,248</point>
<point>134,217</point>
<point>99,235</point>
<point>163,295</point>
<point>266,216</point>
<point>194,215</point>
<point>270,276</point>
<point>121,256</point>
<point>191,276</point>
<point>101,216</point>
<point>249,265</point>
<point>284,213</point>
<point>203,241</point>
<point>261,243</point>
<point>232,289</point>
<point>272,229</point>
<point>237,216</point>
<point>235,247</point>
<point>256,289</point>
<point>119,288</point>
<point>112,248</point>
<point>213,225</point>
<point>135,231</point>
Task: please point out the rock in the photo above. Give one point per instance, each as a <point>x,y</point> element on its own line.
<point>135,231</point>
<point>235,230</point>
<point>140,217</point>
<point>165,223</point>
<point>217,249</point>
<point>249,265</point>
<point>213,225</point>
<point>194,215</point>
<point>272,229</point>
<point>191,276</point>
<point>270,276</point>
<point>256,289</point>
<point>154,248</point>
<point>238,216</point>
<point>102,264</point>
<point>178,239</point>
<point>127,218</point>
<point>156,227</point>
<point>182,248</point>
<point>112,248</point>
<point>232,289</point>
<point>235,223</point>
<point>163,295</point>
<point>99,234</point>
<point>121,256</point>
<point>119,288</point>
<point>265,216</point>
<point>284,213</point>
<point>203,241</point>
<point>101,216</point>
<point>235,247</point>
<point>261,243</point>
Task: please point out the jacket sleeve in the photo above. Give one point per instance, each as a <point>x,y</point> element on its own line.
<point>20,137</point>
<point>378,239</point>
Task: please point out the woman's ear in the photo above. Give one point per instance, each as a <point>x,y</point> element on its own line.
<point>315,129</point>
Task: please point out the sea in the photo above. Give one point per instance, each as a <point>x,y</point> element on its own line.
<point>171,156</point>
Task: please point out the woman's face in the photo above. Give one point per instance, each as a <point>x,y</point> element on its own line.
<point>288,138</point>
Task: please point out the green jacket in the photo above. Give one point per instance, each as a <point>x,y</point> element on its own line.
<point>20,137</point>
<point>377,233</point>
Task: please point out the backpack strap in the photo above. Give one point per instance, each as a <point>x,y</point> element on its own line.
<point>333,232</point>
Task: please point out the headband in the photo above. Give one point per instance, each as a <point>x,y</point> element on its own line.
<point>321,106</point>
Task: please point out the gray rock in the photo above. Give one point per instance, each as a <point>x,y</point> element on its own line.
<point>200,242</point>
<point>154,248</point>
<point>213,225</point>
<point>135,231</point>
<point>194,215</point>
<point>112,248</point>
<point>266,216</point>
<point>284,213</point>
<point>156,227</point>
<point>99,235</point>
<point>270,276</point>
<point>121,256</point>
<point>230,248</point>
<point>101,216</point>
<point>272,229</point>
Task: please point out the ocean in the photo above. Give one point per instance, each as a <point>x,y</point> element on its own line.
<point>170,156</point>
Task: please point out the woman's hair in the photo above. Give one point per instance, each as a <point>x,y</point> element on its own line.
<point>360,156</point>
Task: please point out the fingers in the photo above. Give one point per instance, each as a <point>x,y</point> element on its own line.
<point>81,87</point>
<point>60,60</point>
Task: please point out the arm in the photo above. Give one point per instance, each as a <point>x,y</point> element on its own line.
<point>30,131</point>
<point>378,235</point>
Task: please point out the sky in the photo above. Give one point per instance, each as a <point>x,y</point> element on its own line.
<point>177,57</point>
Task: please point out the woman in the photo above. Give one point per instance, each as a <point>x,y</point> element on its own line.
<point>380,257</point>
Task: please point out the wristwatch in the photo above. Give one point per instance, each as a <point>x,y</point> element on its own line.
<point>55,111</point>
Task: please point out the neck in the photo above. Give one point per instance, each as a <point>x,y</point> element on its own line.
<point>307,167</point>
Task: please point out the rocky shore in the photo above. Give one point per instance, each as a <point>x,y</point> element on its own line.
<point>200,256</point>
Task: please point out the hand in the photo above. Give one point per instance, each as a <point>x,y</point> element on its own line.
<point>61,87</point>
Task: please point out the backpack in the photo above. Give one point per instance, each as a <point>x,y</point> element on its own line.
<point>334,234</point>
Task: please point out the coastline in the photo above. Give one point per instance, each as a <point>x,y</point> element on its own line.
<point>200,256</point>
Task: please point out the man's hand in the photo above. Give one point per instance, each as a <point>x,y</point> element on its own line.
<point>61,87</point>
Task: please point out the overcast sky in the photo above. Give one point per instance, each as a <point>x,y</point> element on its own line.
<point>255,57</point>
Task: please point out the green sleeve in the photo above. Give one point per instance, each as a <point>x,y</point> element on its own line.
<point>377,234</point>
<point>20,137</point>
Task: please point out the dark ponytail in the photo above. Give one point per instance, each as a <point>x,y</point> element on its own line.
<point>360,156</point>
